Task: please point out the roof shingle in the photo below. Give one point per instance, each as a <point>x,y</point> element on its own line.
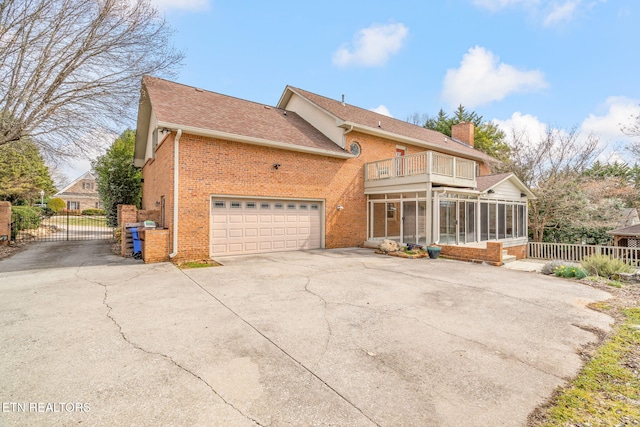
<point>361,116</point>
<point>189,106</point>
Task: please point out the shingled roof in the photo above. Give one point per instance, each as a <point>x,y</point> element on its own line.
<point>189,107</point>
<point>485,182</point>
<point>352,114</point>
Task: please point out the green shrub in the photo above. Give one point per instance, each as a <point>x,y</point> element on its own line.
<point>603,266</point>
<point>56,204</point>
<point>571,271</point>
<point>550,267</point>
<point>25,217</point>
<point>93,212</point>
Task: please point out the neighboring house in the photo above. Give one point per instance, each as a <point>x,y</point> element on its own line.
<point>232,176</point>
<point>81,194</point>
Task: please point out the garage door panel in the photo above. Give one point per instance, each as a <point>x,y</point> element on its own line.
<point>241,226</point>
<point>235,233</point>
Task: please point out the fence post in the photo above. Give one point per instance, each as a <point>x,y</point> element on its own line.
<point>67,225</point>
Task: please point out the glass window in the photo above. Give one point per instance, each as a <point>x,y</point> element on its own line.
<point>303,206</point>
<point>376,196</point>
<point>219,204</point>
<point>522,224</point>
<point>509,221</point>
<point>236,205</point>
<point>471,222</point>
<point>492,222</point>
<point>484,221</point>
<point>501,221</point>
<point>250,205</point>
<point>278,206</point>
<point>291,206</point>
<point>265,205</point>
<point>378,220</point>
<point>315,207</point>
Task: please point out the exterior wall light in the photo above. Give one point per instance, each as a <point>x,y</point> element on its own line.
<point>340,207</point>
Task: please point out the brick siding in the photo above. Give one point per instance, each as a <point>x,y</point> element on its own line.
<point>211,166</point>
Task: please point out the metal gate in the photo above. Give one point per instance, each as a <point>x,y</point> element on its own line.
<point>60,227</point>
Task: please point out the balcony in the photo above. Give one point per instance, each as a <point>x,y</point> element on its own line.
<point>429,166</point>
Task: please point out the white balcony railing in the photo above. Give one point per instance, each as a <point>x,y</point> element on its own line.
<point>426,163</point>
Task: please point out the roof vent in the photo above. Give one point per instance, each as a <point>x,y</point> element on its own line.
<point>379,124</point>
<point>267,107</point>
<point>343,104</point>
<point>199,90</point>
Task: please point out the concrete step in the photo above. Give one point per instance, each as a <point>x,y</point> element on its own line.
<point>508,258</point>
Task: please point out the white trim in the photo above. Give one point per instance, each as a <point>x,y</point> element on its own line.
<point>254,141</point>
<point>413,141</point>
<point>321,202</point>
<point>75,181</point>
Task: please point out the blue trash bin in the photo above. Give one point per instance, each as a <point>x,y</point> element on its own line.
<point>137,244</point>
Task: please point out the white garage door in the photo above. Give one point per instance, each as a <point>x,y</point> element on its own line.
<point>245,226</point>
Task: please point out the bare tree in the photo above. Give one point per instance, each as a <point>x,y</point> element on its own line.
<point>551,166</point>
<point>633,129</point>
<point>69,67</point>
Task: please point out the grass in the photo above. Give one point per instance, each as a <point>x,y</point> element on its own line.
<point>607,391</point>
<point>61,221</point>
<point>197,264</point>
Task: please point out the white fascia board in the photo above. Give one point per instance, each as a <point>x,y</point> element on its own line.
<point>512,177</point>
<point>409,140</point>
<point>254,141</point>
<point>74,182</point>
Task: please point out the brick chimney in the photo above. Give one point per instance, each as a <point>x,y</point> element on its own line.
<point>463,132</point>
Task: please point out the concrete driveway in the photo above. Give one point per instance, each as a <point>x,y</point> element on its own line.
<point>317,338</point>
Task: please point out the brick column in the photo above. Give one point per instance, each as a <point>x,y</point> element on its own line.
<point>5,223</point>
<point>126,214</point>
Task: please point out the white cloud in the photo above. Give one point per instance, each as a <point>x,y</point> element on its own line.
<point>381,109</point>
<point>549,12</point>
<point>520,123</point>
<point>619,111</point>
<point>482,78</point>
<point>372,46</point>
<point>495,5</point>
<point>188,5</point>
<point>561,13</point>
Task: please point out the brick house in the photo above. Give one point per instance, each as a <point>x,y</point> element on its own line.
<point>230,176</point>
<point>81,193</point>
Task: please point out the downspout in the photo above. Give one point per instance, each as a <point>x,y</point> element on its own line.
<point>176,152</point>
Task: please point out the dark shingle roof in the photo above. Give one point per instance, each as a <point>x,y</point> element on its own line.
<point>487,181</point>
<point>188,106</point>
<point>632,230</point>
<point>351,113</point>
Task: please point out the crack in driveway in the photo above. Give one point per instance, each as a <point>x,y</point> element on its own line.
<point>282,350</point>
<point>154,353</point>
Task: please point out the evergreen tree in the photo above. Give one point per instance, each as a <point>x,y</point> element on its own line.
<point>488,138</point>
<point>119,182</point>
<point>23,173</point>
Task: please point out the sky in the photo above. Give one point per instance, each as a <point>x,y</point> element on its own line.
<point>524,64</point>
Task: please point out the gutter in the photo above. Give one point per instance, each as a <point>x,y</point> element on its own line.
<point>176,152</point>
<point>255,141</point>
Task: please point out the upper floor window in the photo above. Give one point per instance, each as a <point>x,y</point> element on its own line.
<point>87,185</point>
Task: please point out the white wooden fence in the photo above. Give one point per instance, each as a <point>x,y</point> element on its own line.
<point>575,253</point>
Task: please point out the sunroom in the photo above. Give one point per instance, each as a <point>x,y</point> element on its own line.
<point>495,210</point>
